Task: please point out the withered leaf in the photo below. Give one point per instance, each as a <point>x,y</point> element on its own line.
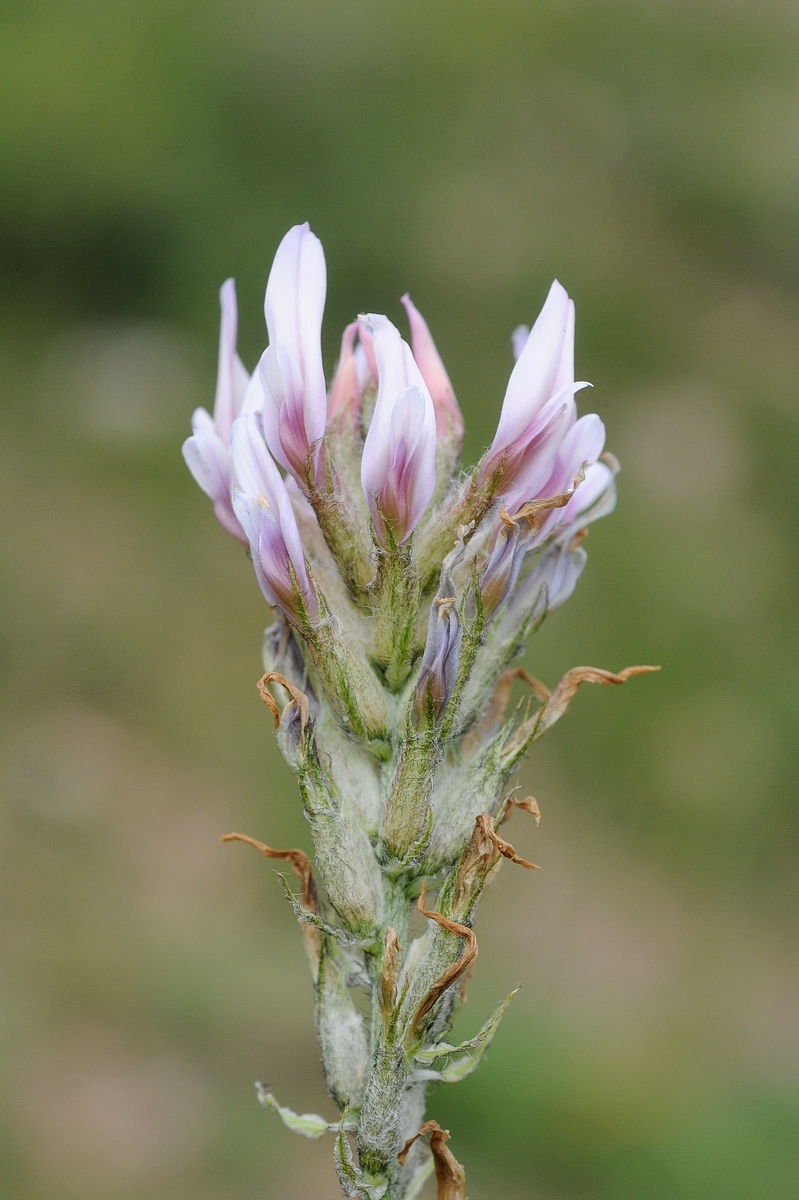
<point>450,1175</point>
<point>555,706</point>
<point>529,804</point>
<point>298,699</point>
<point>480,857</point>
<point>392,960</point>
<point>454,971</point>
<point>300,865</point>
<point>505,848</point>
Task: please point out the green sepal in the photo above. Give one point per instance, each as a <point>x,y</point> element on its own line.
<point>353,1183</point>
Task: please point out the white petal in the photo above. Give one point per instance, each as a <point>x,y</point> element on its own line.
<point>209,462</point>
<point>533,379</point>
<point>294,306</point>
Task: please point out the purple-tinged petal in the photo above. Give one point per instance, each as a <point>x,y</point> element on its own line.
<point>557,571</point>
<point>594,498</point>
<point>294,305</point>
<point>207,459</point>
<point>264,508</point>
<point>528,465</point>
<point>398,464</point>
<point>582,443</point>
<point>508,547</point>
<point>564,375</point>
<point>439,669</point>
<point>581,447</point>
<point>201,420</point>
<point>253,401</point>
<point>449,422</point>
<point>207,452</point>
<point>211,465</point>
<point>365,353</point>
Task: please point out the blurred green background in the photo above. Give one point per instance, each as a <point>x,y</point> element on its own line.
<point>648,155</point>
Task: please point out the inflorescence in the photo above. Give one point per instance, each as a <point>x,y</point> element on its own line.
<point>403,590</point>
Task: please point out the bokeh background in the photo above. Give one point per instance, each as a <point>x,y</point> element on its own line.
<point>648,155</point>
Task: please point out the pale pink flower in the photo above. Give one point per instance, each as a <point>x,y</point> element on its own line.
<point>291,371</point>
<point>539,407</point>
<point>398,465</point>
<point>207,451</point>
<point>345,393</point>
<point>577,456</point>
<point>263,507</point>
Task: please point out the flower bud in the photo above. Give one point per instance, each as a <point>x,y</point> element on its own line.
<point>264,509</point>
<point>439,668</point>
<point>510,543</point>
<point>449,422</point>
<point>344,401</point>
<point>398,465</point>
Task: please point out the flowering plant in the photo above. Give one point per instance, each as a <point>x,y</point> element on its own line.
<point>403,591</point>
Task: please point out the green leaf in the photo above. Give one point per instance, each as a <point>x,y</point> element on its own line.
<point>463,1066</point>
<point>310,1125</point>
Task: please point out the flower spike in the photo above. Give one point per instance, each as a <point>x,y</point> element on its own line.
<point>395,648</point>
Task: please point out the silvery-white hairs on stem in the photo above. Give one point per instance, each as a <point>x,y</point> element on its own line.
<point>402,588</point>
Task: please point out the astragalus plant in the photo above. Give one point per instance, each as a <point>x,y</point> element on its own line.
<point>403,589</point>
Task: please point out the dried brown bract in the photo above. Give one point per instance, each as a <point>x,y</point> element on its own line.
<point>298,699</point>
<point>556,704</point>
<point>480,857</point>
<point>505,848</point>
<point>392,961</point>
<point>453,972</point>
<point>529,804</point>
<point>450,1175</point>
<point>300,865</point>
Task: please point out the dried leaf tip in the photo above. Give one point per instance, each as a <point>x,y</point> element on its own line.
<point>529,804</point>
<point>300,865</point>
<point>450,1175</point>
<point>567,687</point>
<point>505,848</point>
<point>298,699</point>
<point>453,972</point>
